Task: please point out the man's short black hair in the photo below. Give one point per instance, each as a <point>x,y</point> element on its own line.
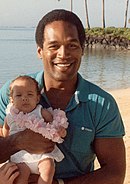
<point>57,15</point>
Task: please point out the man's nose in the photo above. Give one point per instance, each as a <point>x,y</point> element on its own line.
<point>63,52</point>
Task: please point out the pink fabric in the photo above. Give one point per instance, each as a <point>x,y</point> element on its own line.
<point>38,125</point>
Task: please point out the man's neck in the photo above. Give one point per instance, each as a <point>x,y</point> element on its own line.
<point>68,85</point>
<point>59,93</point>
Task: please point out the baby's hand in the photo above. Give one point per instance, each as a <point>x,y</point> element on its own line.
<point>62,132</point>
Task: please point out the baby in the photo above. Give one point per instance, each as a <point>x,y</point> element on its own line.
<point>24,112</point>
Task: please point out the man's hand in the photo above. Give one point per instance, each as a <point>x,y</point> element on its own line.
<point>34,178</point>
<point>62,132</point>
<point>8,173</point>
<point>33,142</point>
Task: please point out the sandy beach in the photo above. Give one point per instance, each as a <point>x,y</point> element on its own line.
<point>122,97</point>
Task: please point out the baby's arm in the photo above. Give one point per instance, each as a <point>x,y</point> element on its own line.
<point>46,115</point>
<point>5,129</point>
<point>57,127</point>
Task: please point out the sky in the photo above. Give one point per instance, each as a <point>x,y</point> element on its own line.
<point>28,12</point>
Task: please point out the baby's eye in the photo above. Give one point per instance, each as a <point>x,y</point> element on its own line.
<point>30,94</point>
<point>18,95</point>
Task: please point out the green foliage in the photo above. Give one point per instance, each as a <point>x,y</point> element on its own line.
<point>122,32</point>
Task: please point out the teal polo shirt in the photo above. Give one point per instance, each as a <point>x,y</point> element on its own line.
<point>92,113</point>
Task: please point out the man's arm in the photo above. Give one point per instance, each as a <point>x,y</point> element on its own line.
<point>25,140</point>
<point>111,156</point>
<point>7,148</point>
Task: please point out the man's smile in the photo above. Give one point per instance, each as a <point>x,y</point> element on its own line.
<point>63,66</point>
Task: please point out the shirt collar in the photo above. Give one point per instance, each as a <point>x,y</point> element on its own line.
<point>82,91</point>
<point>40,79</point>
<point>81,94</point>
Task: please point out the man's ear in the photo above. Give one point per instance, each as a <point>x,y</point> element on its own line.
<point>39,52</point>
<point>83,50</point>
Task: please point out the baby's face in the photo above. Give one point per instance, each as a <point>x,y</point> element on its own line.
<point>25,97</point>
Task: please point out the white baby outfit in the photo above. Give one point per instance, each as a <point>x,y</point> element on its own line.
<point>18,121</point>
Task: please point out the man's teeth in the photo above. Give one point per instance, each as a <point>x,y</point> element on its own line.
<point>62,65</point>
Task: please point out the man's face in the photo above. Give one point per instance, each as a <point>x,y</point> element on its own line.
<point>62,52</point>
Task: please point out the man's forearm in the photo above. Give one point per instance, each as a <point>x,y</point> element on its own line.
<point>99,176</point>
<point>7,147</point>
<point>25,140</point>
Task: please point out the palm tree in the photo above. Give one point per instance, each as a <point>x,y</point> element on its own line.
<point>87,18</point>
<point>126,12</point>
<point>103,14</point>
<point>71,5</point>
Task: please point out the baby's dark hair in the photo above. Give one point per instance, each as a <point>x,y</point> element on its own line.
<point>23,77</point>
<point>59,15</point>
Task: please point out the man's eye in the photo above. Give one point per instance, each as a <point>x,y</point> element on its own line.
<point>73,46</point>
<point>53,47</point>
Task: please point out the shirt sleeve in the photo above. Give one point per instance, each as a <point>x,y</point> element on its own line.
<point>106,117</point>
<point>4,100</point>
<point>109,122</point>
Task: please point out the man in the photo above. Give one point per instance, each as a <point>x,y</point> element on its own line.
<point>95,125</point>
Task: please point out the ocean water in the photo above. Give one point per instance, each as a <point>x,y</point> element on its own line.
<point>17,53</point>
<point>108,68</point>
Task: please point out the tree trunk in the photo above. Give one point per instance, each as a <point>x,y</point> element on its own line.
<point>86,11</point>
<point>71,5</point>
<point>103,14</point>
<point>126,12</point>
